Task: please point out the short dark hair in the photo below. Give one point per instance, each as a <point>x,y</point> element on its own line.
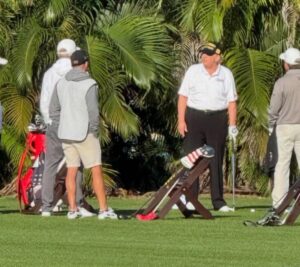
<point>79,57</point>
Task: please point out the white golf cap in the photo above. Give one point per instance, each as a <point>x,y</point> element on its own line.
<point>291,56</point>
<point>3,61</point>
<point>67,47</point>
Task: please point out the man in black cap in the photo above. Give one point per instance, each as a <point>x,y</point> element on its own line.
<point>75,101</point>
<point>207,111</point>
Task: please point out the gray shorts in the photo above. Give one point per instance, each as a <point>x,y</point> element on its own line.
<point>88,152</point>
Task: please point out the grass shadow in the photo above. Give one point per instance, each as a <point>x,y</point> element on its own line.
<point>9,211</point>
<point>253,207</point>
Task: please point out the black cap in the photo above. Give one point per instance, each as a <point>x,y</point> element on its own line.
<point>79,57</point>
<point>209,49</point>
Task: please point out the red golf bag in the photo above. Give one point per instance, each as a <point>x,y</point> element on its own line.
<point>29,182</point>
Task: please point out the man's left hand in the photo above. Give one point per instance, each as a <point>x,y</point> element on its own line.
<point>232,132</point>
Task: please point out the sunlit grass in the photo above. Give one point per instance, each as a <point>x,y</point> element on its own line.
<point>31,240</point>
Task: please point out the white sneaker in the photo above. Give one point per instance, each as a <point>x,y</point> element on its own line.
<point>288,210</point>
<point>226,209</point>
<point>107,214</point>
<point>73,215</point>
<point>46,214</point>
<point>183,200</point>
<point>58,206</point>
<point>190,206</point>
<point>84,213</point>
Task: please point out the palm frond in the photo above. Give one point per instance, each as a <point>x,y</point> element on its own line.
<point>291,18</point>
<point>109,176</point>
<point>55,9</point>
<point>254,75</point>
<point>136,62</point>
<point>205,17</point>
<point>143,44</point>
<point>104,68</point>
<point>29,39</point>
<point>5,75</point>
<point>104,133</point>
<point>103,60</point>
<point>119,116</point>
<point>18,108</point>
<point>13,144</point>
<point>274,35</point>
<point>188,15</point>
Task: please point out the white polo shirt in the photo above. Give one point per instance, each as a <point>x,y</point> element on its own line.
<point>208,92</point>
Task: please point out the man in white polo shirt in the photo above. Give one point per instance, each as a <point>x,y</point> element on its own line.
<point>207,111</point>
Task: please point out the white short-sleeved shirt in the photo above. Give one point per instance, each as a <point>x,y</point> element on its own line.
<point>208,92</point>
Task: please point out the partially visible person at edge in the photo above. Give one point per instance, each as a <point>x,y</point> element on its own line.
<point>54,152</point>
<point>206,105</point>
<point>3,61</point>
<point>285,115</point>
<point>75,101</point>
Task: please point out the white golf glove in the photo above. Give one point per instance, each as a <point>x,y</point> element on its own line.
<point>3,61</point>
<point>232,132</point>
<point>270,130</point>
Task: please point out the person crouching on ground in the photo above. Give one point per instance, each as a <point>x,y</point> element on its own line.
<point>76,99</point>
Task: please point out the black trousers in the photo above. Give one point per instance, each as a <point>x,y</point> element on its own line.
<point>211,129</point>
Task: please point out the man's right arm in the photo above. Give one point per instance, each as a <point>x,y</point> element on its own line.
<point>275,105</point>
<point>181,106</point>
<point>183,93</point>
<point>44,99</point>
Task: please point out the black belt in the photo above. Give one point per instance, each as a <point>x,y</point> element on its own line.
<point>211,112</point>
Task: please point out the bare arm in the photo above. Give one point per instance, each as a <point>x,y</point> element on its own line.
<point>232,113</point>
<point>181,106</point>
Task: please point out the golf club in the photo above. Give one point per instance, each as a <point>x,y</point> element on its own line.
<point>233,170</point>
<point>152,215</point>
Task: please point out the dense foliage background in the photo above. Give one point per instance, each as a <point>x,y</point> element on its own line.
<point>139,51</point>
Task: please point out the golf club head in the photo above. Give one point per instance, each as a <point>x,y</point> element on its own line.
<point>147,217</point>
<point>124,217</point>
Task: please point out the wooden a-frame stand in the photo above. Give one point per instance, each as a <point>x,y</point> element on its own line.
<point>178,185</point>
<point>293,194</point>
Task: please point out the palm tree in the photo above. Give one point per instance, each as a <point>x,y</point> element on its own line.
<point>129,52</point>
<point>33,30</point>
<point>245,30</point>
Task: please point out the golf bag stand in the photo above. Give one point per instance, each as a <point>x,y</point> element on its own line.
<point>178,185</point>
<point>29,181</point>
<point>293,194</point>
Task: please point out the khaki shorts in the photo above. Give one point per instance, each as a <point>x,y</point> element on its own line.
<point>88,152</point>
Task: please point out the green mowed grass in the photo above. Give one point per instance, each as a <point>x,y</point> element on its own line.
<point>31,240</point>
